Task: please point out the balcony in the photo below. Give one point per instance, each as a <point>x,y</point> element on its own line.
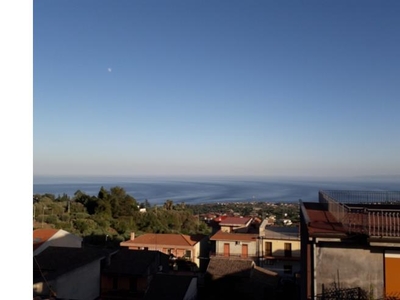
<point>233,255</point>
<point>376,214</point>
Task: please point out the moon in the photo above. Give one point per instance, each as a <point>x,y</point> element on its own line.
<point>109,69</point>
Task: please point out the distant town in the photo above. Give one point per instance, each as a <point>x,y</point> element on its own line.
<point>111,246</point>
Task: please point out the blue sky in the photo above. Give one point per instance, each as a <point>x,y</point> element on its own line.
<point>248,88</point>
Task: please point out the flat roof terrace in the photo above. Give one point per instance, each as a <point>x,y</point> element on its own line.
<point>376,214</point>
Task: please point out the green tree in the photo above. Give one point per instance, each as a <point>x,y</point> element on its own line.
<point>169,205</point>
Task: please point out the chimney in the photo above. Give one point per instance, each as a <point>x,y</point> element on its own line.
<point>132,236</point>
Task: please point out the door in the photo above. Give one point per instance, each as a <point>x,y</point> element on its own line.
<point>226,249</point>
<point>392,279</point>
<point>244,250</point>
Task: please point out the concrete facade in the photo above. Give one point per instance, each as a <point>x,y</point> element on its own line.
<point>349,267</point>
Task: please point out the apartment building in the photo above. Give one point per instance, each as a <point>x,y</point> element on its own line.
<point>350,243</point>
<point>279,249</point>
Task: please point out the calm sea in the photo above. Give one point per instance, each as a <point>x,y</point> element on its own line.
<point>157,191</point>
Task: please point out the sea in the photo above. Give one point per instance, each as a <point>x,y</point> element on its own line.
<point>213,190</point>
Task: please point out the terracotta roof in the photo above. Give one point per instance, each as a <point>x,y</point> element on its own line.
<point>40,236</point>
<point>227,236</point>
<point>235,221</point>
<point>224,266</point>
<point>164,239</point>
<point>321,221</point>
<point>220,218</point>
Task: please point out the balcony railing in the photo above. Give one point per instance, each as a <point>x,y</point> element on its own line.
<point>376,214</point>
<point>233,255</point>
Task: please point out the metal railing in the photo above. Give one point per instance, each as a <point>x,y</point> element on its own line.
<point>368,217</point>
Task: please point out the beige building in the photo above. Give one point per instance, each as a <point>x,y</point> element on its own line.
<point>179,245</point>
<point>350,243</point>
<point>279,249</point>
<point>243,245</point>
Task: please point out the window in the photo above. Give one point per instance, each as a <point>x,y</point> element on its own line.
<point>287,269</point>
<point>268,248</point>
<point>188,254</point>
<point>288,249</point>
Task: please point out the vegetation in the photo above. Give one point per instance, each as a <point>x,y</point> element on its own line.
<point>112,216</point>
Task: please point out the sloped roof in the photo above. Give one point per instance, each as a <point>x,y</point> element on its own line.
<point>164,239</point>
<point>40,236</point>
<point>168,287</point>
<point>134,262</point>
<point>229,266</point>
<point>227,236</point>
<point>55,261</point>
<point>235,221</point>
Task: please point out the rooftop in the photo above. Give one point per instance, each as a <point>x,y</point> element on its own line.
<point>165,239</point>
<point>235,221</point>
<point>226,236</point>
<point>40,236</point>
<point>375,214</point>
<point>282,233</point>
<point>55,261</point>
<point>229,266</point>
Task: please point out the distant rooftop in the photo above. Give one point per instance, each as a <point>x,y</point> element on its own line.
<point>235,221</point>
<point>290,233</point>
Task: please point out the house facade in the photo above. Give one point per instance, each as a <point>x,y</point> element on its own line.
<point>191,248</point>
<point>68,273</point>
<point>350,242</point>
<point>129,273</point>
<point>279,249</point>
<point>241,245</point>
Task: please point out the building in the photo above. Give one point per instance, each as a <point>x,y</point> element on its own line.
<point>172,287</point>
<point>350,243</point>
<point>191,248</point>
<point>128,273</point>
<point>43,238</point>
<point>238,278</point>
<point>279,249</point>
<point>235,224</point>
<point>241,245</point>
<point>68,273</point>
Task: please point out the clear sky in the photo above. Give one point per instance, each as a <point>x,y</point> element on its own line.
<point>285,88</point>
